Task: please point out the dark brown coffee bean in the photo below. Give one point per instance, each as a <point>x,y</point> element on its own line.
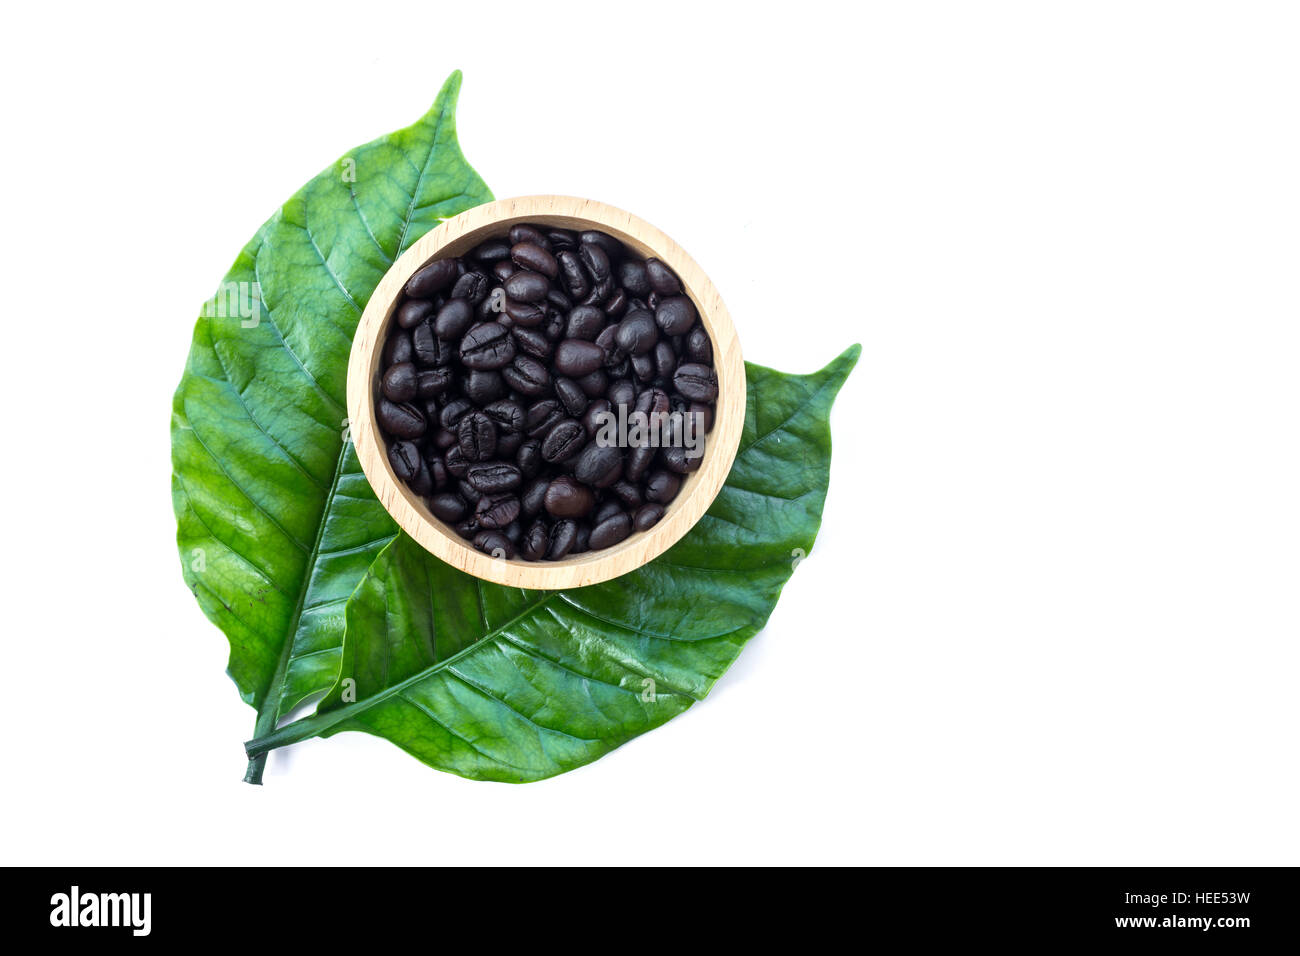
<point>527,286</point>
<point>535,543</point>
<point>448,506</point>
<point>533,342</point>
<point>665,360</point>
<point>402,421</point>
<point>585,322</point>
<point>405,458</point>
<point>532,501</point>
<point>433,381</point>
<point>610,531</point>
<point>453,412</point>
<point>575,357</point>
<point>594,383</point>
<point>605,509</point>
<point>599,465</point>
<point>637,333</point>
<point>675,315</point>
<point>562,238</point>
<point>595,260</point>
<point>432,279</point>
<point>472,286</point>
<point>413,312</point>
<point>622,392</point>
<point>484,387</point>
<point>662,279</point>
<point>616,304</point>
<point>564,440</point>
<point>428,350</point>
<point>527,376</point>
<point>453,319</point>
<point>522,232</point>
<point>400,383</point>
<point>503,270</point>
<point>571,396</point>
<point>662,486</point>
<point>681,460</point>
<point>532,255</point>
<point>487,346</point>
<point>594,417</point>
<point>507,414</point>
<point>509,443</point>
<point>455,462</point>
<point>627,493</point>
<point>647,516</point>
<point>477,437</point>
<point>571,272</point>
<point>603,240</point>
<point>703,415</point>
<point>491,251</point>
<point>541,417</point>
<point>399,348</point>
<point>563,534</point>
<point>529,457</point>
<point>567,498</point>
<point>495,543</point>
<point>698,347</point>
<point>526,314</point>
<point>696,382</point>
<point>643,367</point>
<point>444,439</point>
<point>497,510</point>
<point>638,462</point>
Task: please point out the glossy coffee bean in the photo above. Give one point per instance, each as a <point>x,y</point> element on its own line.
<point>433,381</point>
<point>585,322</point>
<point>675,315</point>
<point>400,383</point>
<point>477,437</point>
<point>532,255</point>
<point>638,462</point>
<point>403,420</point>
<point>563,534</point>
<point>599,466</point>
<point>405,458</point>
<point>533,500</point>
<point>413,312</point>
<point>535,542</point>
<point>453,319</point>
<point>573,274</point>
<point>563,441</point>
<point>506,414</point>
<point>696,382</point>
<point>595,260</point>
<point>482,387</point>
<point>529,457</point>
<point>399,348</point>
<point>491,251</point>
<point>527,376</point>
<point>495,543</point>
<point>698,347</point>
<point>568,498</point>
<point>472,286</point>
<point>487,346</point>
<point>603,240</point>
<point>432,279</point>
<point>662,279</point>
<point>681,460</point>
<point>448,506</point>
<point>575,357</point>
<point>571,396</point>
<point>661,486</point>
<point>453,412</point>
<point>428,350</point>
<point>527,286</point>
<point>594,416</point>
<point>610,531</point>
<point>637,333</point>
<point>523,232</point>
<point>533,342</point>
<point>526,314</point>
<point>541,417</point>
<point>647,516</point>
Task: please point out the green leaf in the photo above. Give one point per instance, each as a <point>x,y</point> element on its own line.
<point>275,521</point>
<point>498,683</point>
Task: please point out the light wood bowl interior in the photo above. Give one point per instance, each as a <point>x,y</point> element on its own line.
<point>457,237</point>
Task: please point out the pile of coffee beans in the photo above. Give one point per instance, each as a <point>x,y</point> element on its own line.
<point>503,366</point>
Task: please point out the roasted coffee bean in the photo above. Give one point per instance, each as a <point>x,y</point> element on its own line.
<point>581,538</point>
<point>594,416</point>
<point>444,439</point>
<point>477,437</point>
<point>534,343</point>
<point>637,333</point>
<point>472,286</point>
<point>453,319</point>
<point>595,260</point>
<point>599,465</point>
<point>527,314</point>
<point>600,291</point>
<point>567,498</point>
<point>575,357</point>
<point>456,464</point>
<point>542,417</point>
<point>562,238</point>
<point>495,477</point>
<point>532,501</point>
<point>563,534</point>
<point>437,472</point>
<point>643,367</point>
<point>662,279</point>
<point>448,506</point>
<point>484,387</point>
<point>566,439</point>
<point>632,276</point>
<point>628,494</point>
<point>571,396</point>
<point>603,240</point>
<point>487,346</point>
<point>574,276</point>
<point>432,279</point>
<point>622,392</point>
<point>399,348</point>
<point>647,516</point>
<point>497,510</point>
<point>698,347</point>
<point>653,401</point>
<point>535,543</point>
<point>585,322</point>
<point>616,304</point>
<point>428,350</point>
<point>638,463</point>
<point>522,232</point>
<point>491,251</point>
<point>696,382</point>
<point>453,412</point>
<point>529,457</point>
<point>433,381</point>
<point>665,360</point>
<point>495,543</point>
<point>503,270</point>
<point>507,414</point>
<point>527,286</point>
<point>608,342</point>
<point>553,327</point>
<point>662,486</point>
<point>610,531</point>
<point>675,315</point>
<point>400,383</point>
<point>527,376</point>
<point>405,458</point>
<point>413,312</point>
<point>404,420</point>
<point>702,412</point>
<point>559,300</point>
<point>532,255</point>
<point>681,460</point>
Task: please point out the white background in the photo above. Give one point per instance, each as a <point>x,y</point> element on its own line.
<point>1052,616</point>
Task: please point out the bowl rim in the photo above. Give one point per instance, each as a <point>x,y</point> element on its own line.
<point>458,235</point>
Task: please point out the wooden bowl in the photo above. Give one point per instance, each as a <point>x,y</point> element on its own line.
<point>458,236</point>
